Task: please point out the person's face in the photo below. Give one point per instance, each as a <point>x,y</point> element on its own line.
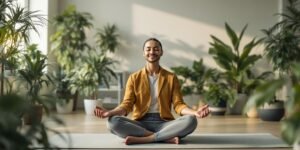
<point>152,51</point>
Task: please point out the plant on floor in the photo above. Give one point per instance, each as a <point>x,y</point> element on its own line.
<point>69,41</point>
<point>235,62</point>
<point>34,75</point>
<point>282,49</point>
<point>12,106</point>
<point>16,22</point>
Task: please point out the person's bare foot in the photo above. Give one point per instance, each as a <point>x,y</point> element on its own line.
<point>138,140</point>
<point>174,140</point>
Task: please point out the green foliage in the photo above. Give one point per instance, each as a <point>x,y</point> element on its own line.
<point>12,107</point>
<point>88,77</point>
<point>61,86</point>
<point>192,80</point>
<point>234,61</point>
<point>107,38</point>
<point>217,89</point>
<point>282,39</point>
<point>265,94</point>
<point>69,39</point>
<point>33,73</point>
<point>15,23</point>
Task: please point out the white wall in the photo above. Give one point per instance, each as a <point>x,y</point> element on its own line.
<point>183,26</point>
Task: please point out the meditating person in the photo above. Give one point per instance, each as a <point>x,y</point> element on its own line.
<point>149,95</point>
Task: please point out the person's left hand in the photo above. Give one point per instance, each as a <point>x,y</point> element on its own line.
<point>202,111</point>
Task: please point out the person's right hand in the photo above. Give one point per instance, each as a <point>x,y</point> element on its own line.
<point>101,112</point>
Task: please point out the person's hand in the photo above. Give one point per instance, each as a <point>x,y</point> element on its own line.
<point>101,112</point>
<point>202,111</point>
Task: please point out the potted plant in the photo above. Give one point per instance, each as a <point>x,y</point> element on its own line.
<point>35,78</point>
<point>282,50</point>
<point>62,92</point>
<point>192,81</point>
<point>16,22</point>
<point>235,62</point>
<point>69,41</point>
<point>218,93</point>
<point>88,77</point>
<point>14,135</point>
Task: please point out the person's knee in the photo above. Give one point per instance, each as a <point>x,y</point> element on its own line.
<point>113,122</point>
<point>191,121</point>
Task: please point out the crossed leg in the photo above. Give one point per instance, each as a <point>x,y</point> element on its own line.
<point>136,133</point>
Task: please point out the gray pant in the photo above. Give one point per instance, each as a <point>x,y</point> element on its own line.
<point>163,130</point>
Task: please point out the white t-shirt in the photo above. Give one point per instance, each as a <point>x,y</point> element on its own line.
<point>154,93</point>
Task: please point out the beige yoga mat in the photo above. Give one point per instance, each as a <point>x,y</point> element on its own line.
<point>213,140</point>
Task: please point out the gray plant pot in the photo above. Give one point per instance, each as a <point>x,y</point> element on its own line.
<point>271,112</point>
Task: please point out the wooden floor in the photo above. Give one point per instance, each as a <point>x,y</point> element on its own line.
<point>78,122</point>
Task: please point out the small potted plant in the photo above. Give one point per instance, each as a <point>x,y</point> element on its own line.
<point>88,77</point>
<point>35,78</point>
<point>62,92</point>
<point>218,93</point>
<point>192,81</point>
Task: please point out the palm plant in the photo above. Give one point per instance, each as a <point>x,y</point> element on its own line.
<point>234,61</point>
<point>107,38</point>
<point>16,22</point>
<point>33,73</point>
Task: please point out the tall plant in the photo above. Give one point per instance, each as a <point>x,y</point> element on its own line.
<point>69,39</point>
<point>282,40</point>
<point>235,61</point>
<point>16,22</point>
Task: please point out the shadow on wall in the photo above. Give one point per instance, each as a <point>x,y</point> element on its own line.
<point>182,26</point>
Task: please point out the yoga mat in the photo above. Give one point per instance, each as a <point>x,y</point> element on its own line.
<point>212,140</point>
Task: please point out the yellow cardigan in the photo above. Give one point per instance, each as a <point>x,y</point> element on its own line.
<point>137,97</point>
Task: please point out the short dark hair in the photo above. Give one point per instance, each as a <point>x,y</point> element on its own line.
<point>153,39</point>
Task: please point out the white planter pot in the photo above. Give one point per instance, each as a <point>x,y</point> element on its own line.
<point>65,107</point>
<point>90,105</point>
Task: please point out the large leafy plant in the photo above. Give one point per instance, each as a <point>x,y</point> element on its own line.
<point>16,22</point>
<point>235,61</point>
<point>69,40</point>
